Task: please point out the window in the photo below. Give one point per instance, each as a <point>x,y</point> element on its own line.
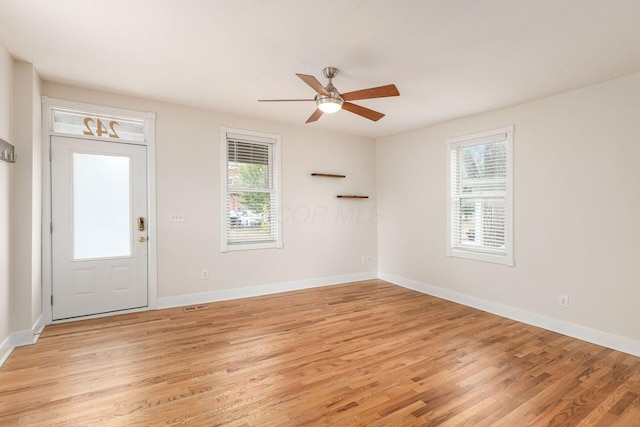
<point>98,125</point>
<point>250,190</point>
<point>480,208</point>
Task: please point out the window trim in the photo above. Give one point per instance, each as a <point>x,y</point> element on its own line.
<point>485,137</point>
<point>259,137</point>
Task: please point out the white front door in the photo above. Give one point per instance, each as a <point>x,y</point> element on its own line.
<point>99,227</point>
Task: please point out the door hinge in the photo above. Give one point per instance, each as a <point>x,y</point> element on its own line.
<point>51,299</point>
<point>49,154</point>
<point>51,227</point>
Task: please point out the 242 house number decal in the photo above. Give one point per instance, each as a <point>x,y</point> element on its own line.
<point>100,128</point>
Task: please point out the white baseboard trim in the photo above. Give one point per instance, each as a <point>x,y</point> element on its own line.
<point>574,330</point>
<point>5,349</point>
<point>254,291</point>
<point>20,338</point>
<point>28,336</point>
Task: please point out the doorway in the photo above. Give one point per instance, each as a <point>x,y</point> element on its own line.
<point>99,220</point>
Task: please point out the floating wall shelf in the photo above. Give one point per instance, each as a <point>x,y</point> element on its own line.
<point>341,196</point>
<point>328,175</point>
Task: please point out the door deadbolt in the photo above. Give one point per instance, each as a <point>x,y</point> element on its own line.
<point>141,223</point>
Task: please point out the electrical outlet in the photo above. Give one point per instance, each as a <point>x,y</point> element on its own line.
<point>563,300</point>
<point>204,274</point>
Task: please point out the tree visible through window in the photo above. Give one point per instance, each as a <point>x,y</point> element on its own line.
<point>251,191</point>
<point>480,196</point>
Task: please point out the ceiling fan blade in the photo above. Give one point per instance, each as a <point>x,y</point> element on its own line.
<point>361,111</point>
<point>374,92</point>
<point>315,116</point>
<point>314,83</point>
<point>283,100</point>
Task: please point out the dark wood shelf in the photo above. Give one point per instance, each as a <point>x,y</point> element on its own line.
<point>352,197</point>
<point>328,175</point>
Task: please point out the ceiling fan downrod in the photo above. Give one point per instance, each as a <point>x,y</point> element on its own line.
<point>330,73</point>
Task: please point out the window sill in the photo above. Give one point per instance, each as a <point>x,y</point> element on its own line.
<point>250,246</point>
<point>479,256</point>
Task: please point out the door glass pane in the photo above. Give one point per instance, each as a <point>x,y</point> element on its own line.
<point>101,206</point>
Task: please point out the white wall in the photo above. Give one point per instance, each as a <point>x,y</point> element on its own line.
<point>27,195</point>
<point>577,208</point>
<point>6,172</point>
<point>324,237</point>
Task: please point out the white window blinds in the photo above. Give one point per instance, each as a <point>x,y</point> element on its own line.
<point>251,191</point>
<point>480,202</point>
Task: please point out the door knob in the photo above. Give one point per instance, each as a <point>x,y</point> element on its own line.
<point>141,239</point>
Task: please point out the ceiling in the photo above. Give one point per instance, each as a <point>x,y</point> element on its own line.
<point>448,58</point>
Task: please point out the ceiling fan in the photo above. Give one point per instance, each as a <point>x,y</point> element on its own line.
<point>329,100</point>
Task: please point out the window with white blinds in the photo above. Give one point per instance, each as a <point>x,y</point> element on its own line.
<point>480,204</point>
<point>251,190</point>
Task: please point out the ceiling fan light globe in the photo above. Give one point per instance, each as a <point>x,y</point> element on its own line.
<point>328,104</point>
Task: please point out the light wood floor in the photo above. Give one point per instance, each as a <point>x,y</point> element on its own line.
<point>367,353</point>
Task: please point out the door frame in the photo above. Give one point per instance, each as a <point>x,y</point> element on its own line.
<point>48,104</point>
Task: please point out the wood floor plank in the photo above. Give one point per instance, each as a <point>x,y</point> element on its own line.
<point>359,354</point>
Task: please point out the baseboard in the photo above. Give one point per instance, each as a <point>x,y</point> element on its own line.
<point>254,291</point>
<point>28,336</point>
<point>20,338</point>
<point>5,349</point>
<point>574,330</point>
